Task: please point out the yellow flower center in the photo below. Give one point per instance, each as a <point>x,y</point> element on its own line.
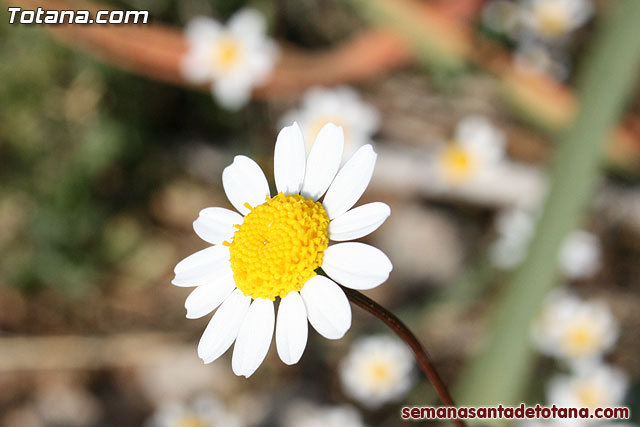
<point>590,395</point>
<point>457,163</point>
<point>192,422</point>
<point>553,19</point>
<point>279,246</point>
<point>378,374</point>
<point>226,53</point>
<point>580,340</point>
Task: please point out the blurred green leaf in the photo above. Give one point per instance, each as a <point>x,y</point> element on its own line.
<point>501,370</point>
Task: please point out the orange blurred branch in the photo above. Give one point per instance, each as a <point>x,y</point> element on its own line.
<point>434,31</point>
<point>155,51</point>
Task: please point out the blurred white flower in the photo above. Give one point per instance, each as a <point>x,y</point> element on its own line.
<point>340,105</point>
<point>477,147</point>
<point>598,386</point>
<point>204,411</point>
<point>304,414</point>
<point>574,330</point>
<point>61,402</point>
<point>551,20</point>
<point>533,57</point>
<point>579,256</point>
<point>233,58</point>
<point>378,369</point>
<point>273,247</point>
<point>515,228</point>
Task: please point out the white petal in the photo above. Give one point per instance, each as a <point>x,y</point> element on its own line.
<point>350,182</point>
<point>194,67</point>
<point>356,265</point>
<point>323,162</point>
<point>202,267</point>
<point>254,338</point>
<point>215,225</point>
<point>289,160</point>
<point>291,328</point>
<point>327,307</point>
<point>244,182</point>
<point>202,29</point>
<point>223,327</point>
<point>358,222</point>
<point>248,22</point>
<point>206,298</point>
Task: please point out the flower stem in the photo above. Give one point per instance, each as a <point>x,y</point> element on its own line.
<point>408,337</point>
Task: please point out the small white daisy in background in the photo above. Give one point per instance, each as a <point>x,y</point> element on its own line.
<point>304,414</point>
<point>552,20</point>
<point>574,330</point>
<point>477,147</point>
<point>273,248</point>
<point>234,58</point>
<point>341,106</point>
<point>533,57</point>
<point>514,227</point>
<point>579,256</point>
<point>204,411</point>
<point>597,387</point>
<point>377,370</point>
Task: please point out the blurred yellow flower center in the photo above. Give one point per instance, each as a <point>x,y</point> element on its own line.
<point>319,124</point>
<point>553,19</point>
<point>192,422</point>
<point>580,340</point>
<point>279,246</point>
<point>380,373</point>
<point>590,396</point>
<point>456,162</point>
<point>226,53</point>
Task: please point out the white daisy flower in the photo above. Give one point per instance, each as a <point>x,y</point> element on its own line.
<point>233,58</point>
<point>379,369</point>
<point>553,19</point>
<point>205,411</point>
<point>273,248</point>
<point>574,330</point>
<point>340,105</point>
<point>599,386</point>
<point>579,256</point>
<point>305,414</point>
<point>477,147</point>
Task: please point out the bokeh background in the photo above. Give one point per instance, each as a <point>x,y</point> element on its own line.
<point>106,162</point>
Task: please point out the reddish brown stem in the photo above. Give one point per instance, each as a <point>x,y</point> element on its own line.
<point>396,325</point>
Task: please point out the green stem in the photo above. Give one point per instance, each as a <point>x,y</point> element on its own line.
<point>501,370</point>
